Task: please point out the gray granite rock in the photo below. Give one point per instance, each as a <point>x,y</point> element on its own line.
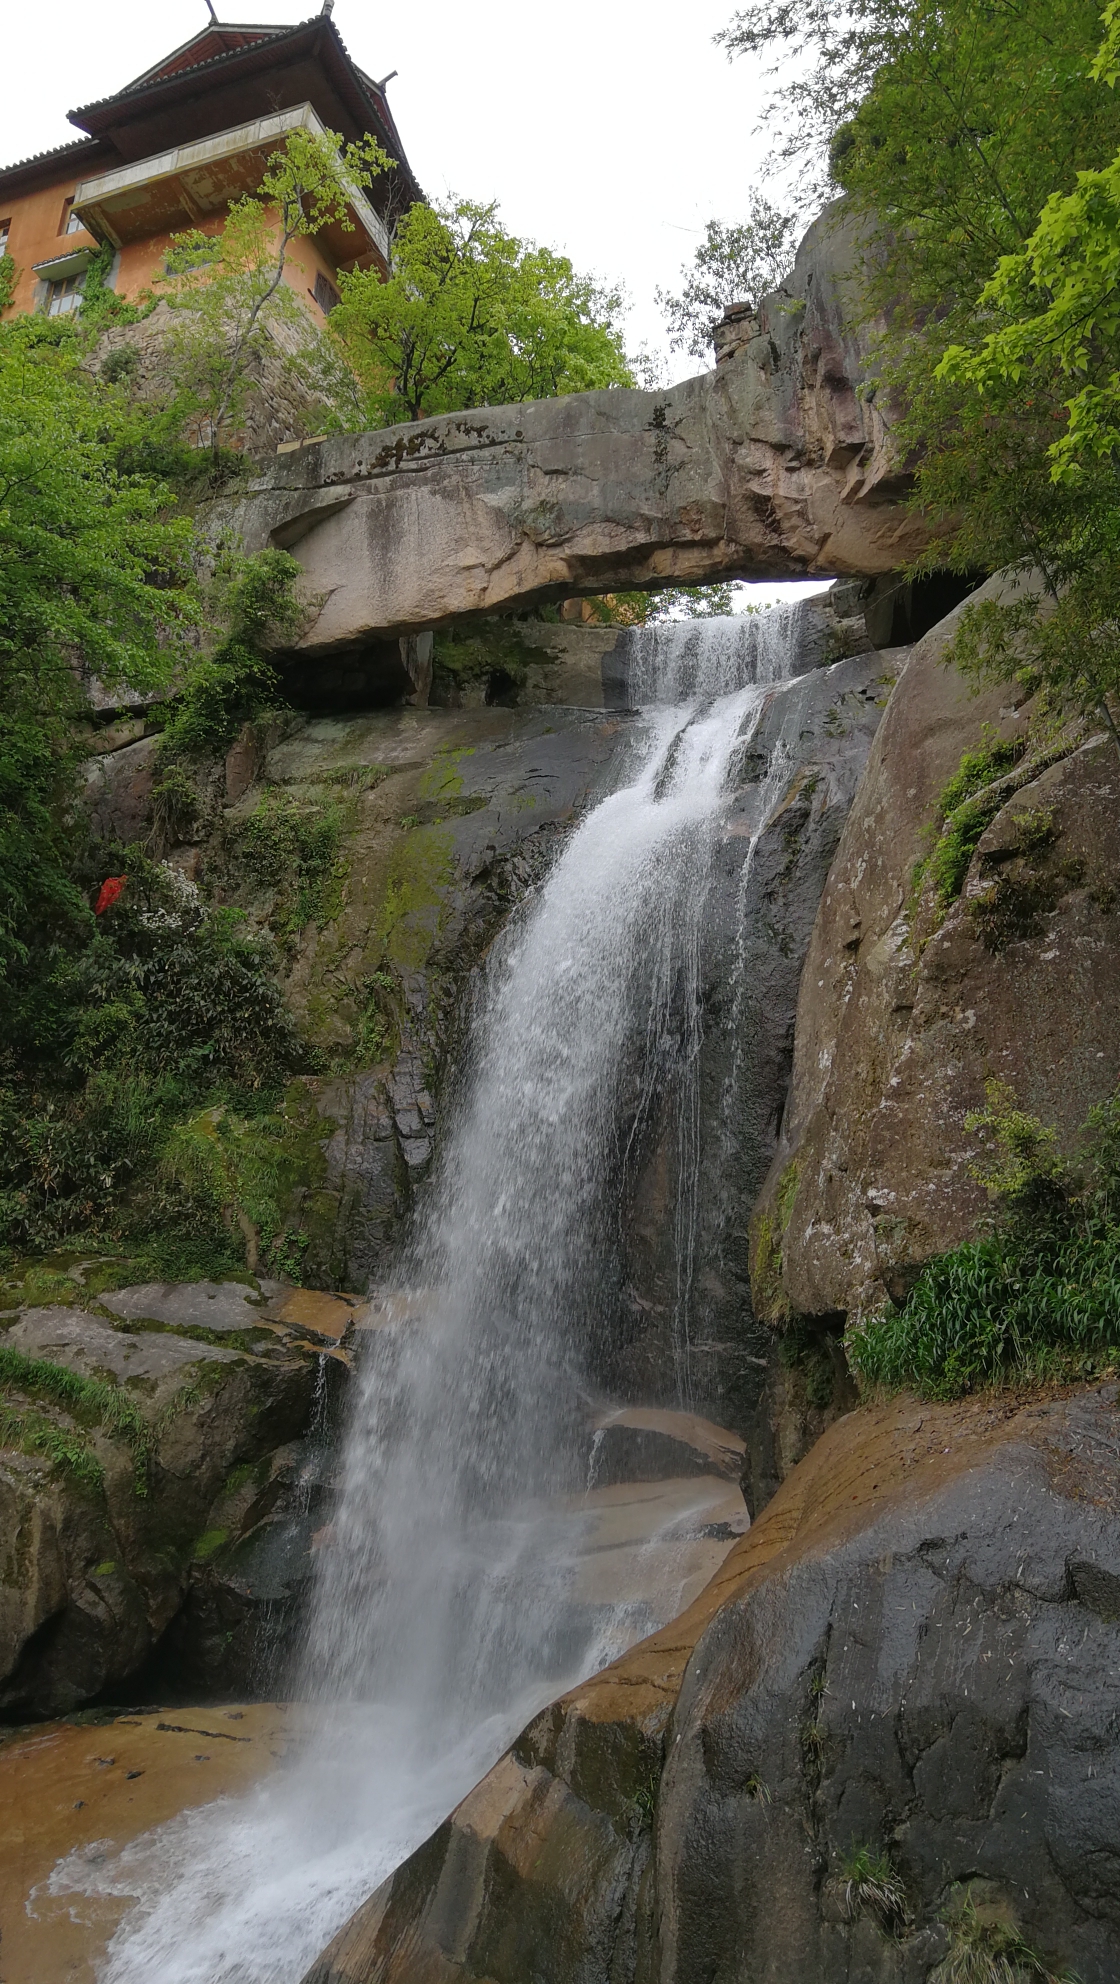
<point>93,1349</point>
<point>203,1305</point>
<point>905,1011</point>
<point>773,465</point>
<point>107,1496</point>
<point>915,1652</point>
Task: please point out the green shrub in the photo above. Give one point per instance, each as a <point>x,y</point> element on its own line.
<point>985,1950</point>
<point>1037,1297</point>
<point>170,1008</point>
<point>255,598</point>
<point>965,809</point>
<point>294,850</point>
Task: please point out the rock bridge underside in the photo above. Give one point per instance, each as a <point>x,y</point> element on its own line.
<point>776,465</point>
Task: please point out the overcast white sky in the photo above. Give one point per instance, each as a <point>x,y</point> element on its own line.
<point>608,129</point>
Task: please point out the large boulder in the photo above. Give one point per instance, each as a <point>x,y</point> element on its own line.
<point>910,1659</point>
<point>134,1452</point>
<point>779,463</point>
<point>905,1012</point>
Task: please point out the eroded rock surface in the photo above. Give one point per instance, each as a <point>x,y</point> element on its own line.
<point>904,1012</point>
<point>885,1661</point>
<point>773,465</point>
<point>150,1480</point>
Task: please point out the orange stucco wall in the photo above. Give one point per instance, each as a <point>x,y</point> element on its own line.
<point>35,237</point>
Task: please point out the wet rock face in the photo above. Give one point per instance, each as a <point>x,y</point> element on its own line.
<point>916,1692</point>
<point>885,1662</point>
<point>774,465</point>
<point>903,1015</point>
<point>792,789</point>
<point>152,1479</point>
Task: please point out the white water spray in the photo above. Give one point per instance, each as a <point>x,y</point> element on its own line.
<point>448,1609</point>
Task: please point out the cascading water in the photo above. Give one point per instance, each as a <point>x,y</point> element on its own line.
<point>444,1615</point>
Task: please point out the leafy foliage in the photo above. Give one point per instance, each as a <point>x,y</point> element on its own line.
<point>829,56</point>
<point>254,601</point>
<point>9,276</point>
<point>642,609</point>
<point>170,1005</point>
<point>977,141</point>
<point>733,264</point>
<point>91,1399</point>
<point>32,1432</point>
<point>118,1027</point>
<point>94,581</point>
<point>293,848</point>
<point>1057,298</point>
<point>101,307</point>
<point>226,286</point>
<point>1040,1295</point>
<point>967,805</point>
<point>472,316</point>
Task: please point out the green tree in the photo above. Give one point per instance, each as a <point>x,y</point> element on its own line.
<point>228,288</point>
<point>733,264</point>
<point>823,60</point>
<point>471,316</point>
<point>977,146</point>
<point>95,581</point>
<point>1056,308</point>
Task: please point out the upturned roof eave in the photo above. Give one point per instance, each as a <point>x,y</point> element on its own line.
<point>366,103</point>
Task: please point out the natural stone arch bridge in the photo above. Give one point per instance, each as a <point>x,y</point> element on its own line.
<point>775,465</point>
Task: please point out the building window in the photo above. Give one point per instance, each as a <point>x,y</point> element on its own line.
<point>72,223</point>
<point>65,296</point>
<point>5,230</point>
<point>326,295</point>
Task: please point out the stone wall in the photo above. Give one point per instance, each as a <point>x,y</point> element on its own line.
<point>280,407</point>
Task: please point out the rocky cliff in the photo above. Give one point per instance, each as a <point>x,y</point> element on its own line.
<point>909,1004</point>
<point>436,823</point>
<point>880,1744</point>
<point>776,464</point>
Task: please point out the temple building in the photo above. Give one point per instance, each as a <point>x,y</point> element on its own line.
<point>172,149</point>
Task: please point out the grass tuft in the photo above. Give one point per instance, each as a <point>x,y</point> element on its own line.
<point>987,1951</point>
<point>1038,1297</point>
<point>872,1887</point>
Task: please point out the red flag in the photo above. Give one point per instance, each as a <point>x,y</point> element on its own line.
<point>108,893</point>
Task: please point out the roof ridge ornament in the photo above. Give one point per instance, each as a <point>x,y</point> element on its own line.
<point>328,8</point>
<point>213,15</point>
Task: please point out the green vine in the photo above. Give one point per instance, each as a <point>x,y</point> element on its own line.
<point>101,306</point>
<point>9,276</point>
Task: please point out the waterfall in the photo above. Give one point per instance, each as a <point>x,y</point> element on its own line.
<point>674,661</point>
<point>444,1615</point>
